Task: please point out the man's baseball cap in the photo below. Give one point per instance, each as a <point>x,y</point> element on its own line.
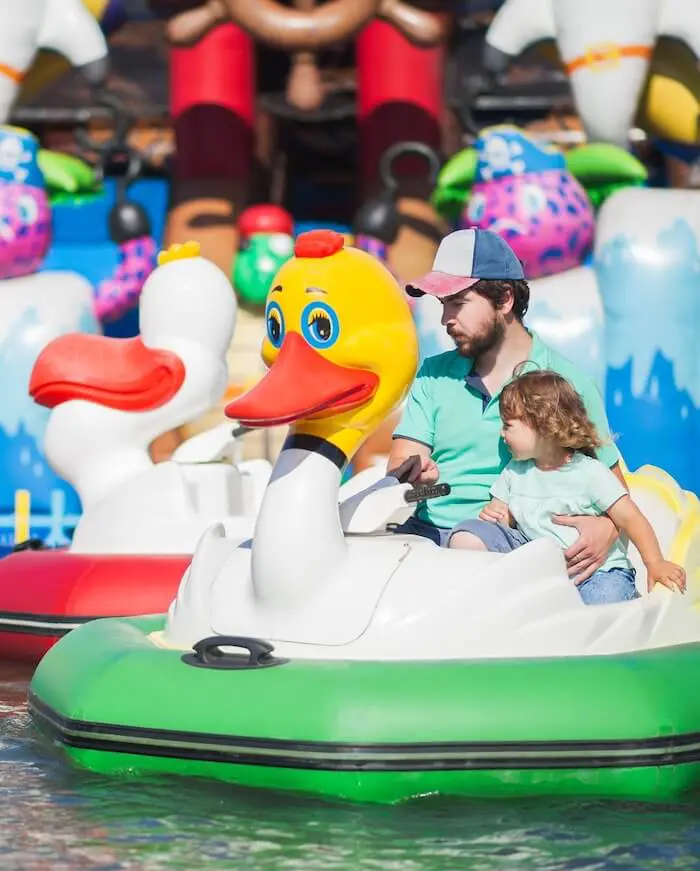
<point>465,257</point>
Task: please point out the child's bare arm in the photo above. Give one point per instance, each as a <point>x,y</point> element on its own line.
<point>497,512</point>
<point>627,517</point>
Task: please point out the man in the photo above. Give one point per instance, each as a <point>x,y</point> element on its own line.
<point>451,426</point>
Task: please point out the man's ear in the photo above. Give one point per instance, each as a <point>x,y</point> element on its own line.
<point>506,307</point>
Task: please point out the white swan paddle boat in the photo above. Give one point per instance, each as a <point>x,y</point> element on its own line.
<point>109,399</point>
<point>331,656</point>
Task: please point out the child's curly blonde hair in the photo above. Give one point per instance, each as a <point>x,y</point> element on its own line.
<point>548,403</point>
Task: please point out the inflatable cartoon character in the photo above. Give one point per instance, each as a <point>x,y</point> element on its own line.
<point>530,193</point>
<point>524,191</point>
<point>606,47</point>
<point>25,214</point>
<point>266,243</point>
<point>35,307</point>
<point>64,26</point>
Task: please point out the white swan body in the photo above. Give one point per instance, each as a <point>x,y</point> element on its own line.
<point>316,589</point>
<point>110,398</point>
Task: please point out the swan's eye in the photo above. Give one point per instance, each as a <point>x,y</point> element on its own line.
<point>274,320</point>
<point>319,325</point>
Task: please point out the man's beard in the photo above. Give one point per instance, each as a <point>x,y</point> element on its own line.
<point>476,346</point>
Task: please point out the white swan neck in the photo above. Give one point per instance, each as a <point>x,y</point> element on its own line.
<point>298,539</point>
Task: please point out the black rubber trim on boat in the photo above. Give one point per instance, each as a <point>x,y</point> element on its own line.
<point>329,756</point>
<point>17,622</point>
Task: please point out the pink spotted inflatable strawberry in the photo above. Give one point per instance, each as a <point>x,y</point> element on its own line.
<point>25,213</point>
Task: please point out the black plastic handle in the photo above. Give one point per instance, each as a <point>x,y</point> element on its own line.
<point>239,431</point>
<point>208,653</point>
<point>408,469</point>
<point>427,491</point>
<point>30,544</point>
<point>399,149</point>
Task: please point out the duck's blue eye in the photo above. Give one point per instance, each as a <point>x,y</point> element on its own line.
<point>319,325</point>
<point>275,324</point>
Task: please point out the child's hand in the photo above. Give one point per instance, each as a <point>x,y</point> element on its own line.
<point>666,573</point>
<point>496,512</point>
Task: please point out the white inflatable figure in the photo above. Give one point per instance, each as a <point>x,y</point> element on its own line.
<point>64,26</point>
<point>566,311</point>
<point>110,398</point>
<point>647,270</point>
<point>606,47</point>
<point>342,351</point>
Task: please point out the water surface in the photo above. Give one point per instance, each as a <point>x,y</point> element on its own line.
<point>59,818</point>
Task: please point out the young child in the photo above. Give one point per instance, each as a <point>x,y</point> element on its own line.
<point>554,472</point>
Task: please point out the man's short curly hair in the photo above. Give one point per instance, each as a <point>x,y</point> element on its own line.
<point>497,290</point>
<point>548,403</point>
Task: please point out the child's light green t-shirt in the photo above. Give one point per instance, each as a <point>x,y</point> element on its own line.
<point>581,486</point>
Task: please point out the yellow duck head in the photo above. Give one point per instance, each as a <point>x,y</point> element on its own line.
<point>341,346</point>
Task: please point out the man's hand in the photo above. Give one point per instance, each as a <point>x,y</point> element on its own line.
<point>417,470</point>
<point>496,512</point>
<point>590,550</point>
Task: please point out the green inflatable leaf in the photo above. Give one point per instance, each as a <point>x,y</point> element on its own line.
<point>454,184</point>
<point>603,168</point>
<point>65,174</point>
<point>600,193</point>
<point>600,163</point>
<point>81,199</point>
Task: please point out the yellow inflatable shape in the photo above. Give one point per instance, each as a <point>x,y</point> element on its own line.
<point>670,104</point>
<point>23,513</point>
<point>179,251</point>
<point>684,546</point>
<point>48,65</point>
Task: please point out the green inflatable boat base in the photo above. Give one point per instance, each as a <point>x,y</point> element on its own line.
<point>624,726</point>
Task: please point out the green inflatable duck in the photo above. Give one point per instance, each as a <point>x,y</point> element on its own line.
<point>266,242</point>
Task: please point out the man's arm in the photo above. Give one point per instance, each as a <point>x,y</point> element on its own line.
<point>415,434</point>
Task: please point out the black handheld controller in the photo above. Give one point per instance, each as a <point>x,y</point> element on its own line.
<point>427,491</point>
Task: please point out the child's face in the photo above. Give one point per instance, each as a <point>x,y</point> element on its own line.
<point>521,439</point>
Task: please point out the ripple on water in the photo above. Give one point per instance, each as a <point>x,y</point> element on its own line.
<point>58,818</point>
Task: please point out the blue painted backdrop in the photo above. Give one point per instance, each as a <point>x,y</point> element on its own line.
<point>651,293</point>
<point>81,240</point>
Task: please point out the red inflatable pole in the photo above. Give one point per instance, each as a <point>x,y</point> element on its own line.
<point>212,99</point>
<point>400,96</point>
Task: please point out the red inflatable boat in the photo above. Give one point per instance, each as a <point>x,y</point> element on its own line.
<point>74,588</point>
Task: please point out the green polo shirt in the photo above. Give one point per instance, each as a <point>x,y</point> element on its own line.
<point>450,411</point>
